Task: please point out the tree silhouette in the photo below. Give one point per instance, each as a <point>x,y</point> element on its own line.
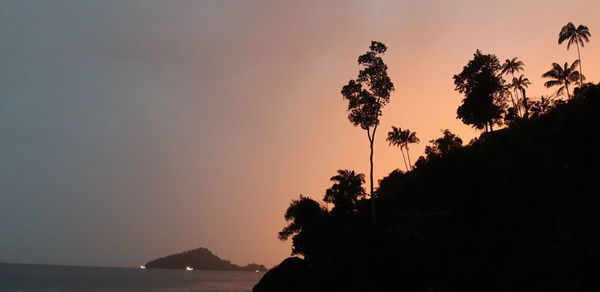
<point>366,96</point>
<point>562,76</point>
<point>345,192</point>
<point>482,85</point>
<point>304,216</point>
<point>519,85</point>
<point>395,138</point>
<point>510,67</point>
<point>409,137</point>
<point>443,145</point>
<point>578,35</point>
<point>542,106</point>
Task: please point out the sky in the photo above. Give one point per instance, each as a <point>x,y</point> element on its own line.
<point>131,130</point>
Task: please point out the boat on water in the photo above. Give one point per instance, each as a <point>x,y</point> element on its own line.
<point>188,268</point>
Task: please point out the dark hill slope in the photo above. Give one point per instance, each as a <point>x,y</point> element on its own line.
<point>518,210</point>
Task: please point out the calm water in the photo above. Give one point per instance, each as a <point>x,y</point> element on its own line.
<point>22,277</point>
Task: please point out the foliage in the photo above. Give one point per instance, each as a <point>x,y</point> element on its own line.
<point>483,88</point>
<point>511,67</point>
<point>402,138</point>
<point>579,36</point>
<point>520,85</point>
<point>346,192</point>
<point>574,35</point>
<point>563,77</point>
<point>303,216</point>
<point>544,105</point>
<point>368,93</point>
<point>395,138</point>
<point>514,210</point>
<point>443,145</point>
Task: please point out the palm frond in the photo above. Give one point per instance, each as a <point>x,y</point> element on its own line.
<point>555,72</point>
<point>573,66</point>
<point>512,66</point>
<point>575,35</point>
<point>565,33</point>
<point>395,137</point>
<point>584,33</point>
<point>572,40</point>
<point>551,83</point>
<point>575,77</point>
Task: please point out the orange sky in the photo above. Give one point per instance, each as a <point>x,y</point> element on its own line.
<point>427,42</point>
<point>195,124</point>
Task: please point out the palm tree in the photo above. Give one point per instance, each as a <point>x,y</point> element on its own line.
<point>510,67</point>
<point>395,138</point>
<point>543,105</point>
<point>345,192</point>
<point>519,84</point>
<point>575,35</point>
<point>409,137</point>
<point>563,76</point>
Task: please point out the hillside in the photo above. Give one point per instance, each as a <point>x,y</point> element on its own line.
<point>515,210</point>
<point>199,259</point>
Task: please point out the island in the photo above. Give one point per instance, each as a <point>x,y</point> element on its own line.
<point>199,259</point>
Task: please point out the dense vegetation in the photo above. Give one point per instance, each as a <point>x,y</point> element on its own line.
<point>514,210</point>
<point>199,259</point>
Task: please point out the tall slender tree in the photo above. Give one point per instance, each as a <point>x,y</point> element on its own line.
<point>563,77</point>
<point>409,137</point>
<point>578,35</point>
<point>512,66</point>
<point>519,85</point>
<point>366,96</point>
<point>395,139</point>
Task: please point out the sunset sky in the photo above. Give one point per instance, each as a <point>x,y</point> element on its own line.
<point>131,129</point>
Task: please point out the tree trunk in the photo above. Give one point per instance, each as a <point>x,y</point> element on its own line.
<point>372,142</point>
<point>517,107</point>
<point>567,87</point>
<point>580,70</point>
<point>404,158</point>
<point>408,154</point>
<point>491,126</point>
<point>514,104</point>
<point>525,105</point>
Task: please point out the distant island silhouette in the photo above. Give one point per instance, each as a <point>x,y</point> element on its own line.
<point>199,259</point>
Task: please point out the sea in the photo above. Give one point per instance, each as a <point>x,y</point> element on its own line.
<point>50,278</point>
